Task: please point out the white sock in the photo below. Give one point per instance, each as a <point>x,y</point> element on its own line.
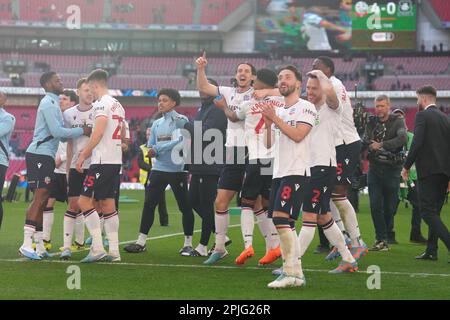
<point>247,226</point>
<point>203,250</point>
<point>351,222</point>
<point>290,258</point>
<point>68,228</point>
<point>39,240</point>
<point>142,239</point>
<point>92,221</point>
<point>306,236</point>
<point>48,219</point>
<point>222,221</point>
<point>266,227</point>
<point>102,222</point>
<point>335,212</point>
<point>79,229</point>
<point>336,238</point>
<point>297,252</point>
<point>187,241</point>
<point>111,226</point>
<point>28,232</point>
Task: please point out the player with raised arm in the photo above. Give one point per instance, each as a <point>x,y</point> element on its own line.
<point>105,150</point>
<point>75,117</point>
<point>233,172</point>
<point>316,207</point>
<point>288,130</point>
<point>258,174</point>
<point>40,159</point>
<point>348,148</point>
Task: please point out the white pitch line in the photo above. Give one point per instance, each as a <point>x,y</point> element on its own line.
<point>195,266</point>
<point>208,266</point>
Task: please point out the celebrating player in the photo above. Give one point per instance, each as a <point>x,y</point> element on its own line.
<point>232,174</point>
<point>316,207</point>
<point>105,146</point>
<point>288,130</point>
<point>258,174</point>
<point>348,148</point>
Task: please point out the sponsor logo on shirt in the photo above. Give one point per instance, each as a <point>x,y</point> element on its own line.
<point>257,107</point>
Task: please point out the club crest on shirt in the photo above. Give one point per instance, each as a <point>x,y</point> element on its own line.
<point>247,97</point>
<point>292,111</point>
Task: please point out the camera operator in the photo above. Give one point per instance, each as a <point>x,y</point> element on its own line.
<point>385,136</point>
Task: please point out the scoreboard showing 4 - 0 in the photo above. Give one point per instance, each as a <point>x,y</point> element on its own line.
<point>384,24</point>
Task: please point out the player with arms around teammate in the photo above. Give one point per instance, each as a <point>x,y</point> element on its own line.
<point>316,207</point>
<point>233,172</point>
<point>59,189</point>
<point>348,148</point>
<point>40,161</point>
<point>288,130</point>
<point>258,175</point>
<point>105,150</point>
<point>75,117</point>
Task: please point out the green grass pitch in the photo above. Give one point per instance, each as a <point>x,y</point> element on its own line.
<point>161,273</point>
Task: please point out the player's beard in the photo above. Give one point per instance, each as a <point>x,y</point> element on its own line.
<point>290,90</point>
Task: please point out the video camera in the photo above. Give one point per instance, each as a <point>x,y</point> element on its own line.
<point>360,114</point>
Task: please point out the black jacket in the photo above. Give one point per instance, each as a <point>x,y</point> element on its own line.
<point>392,133</point>
<point>209,117</point>
<point>430,148</point>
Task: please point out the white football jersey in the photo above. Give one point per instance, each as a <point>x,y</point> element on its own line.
<point>235,99</point>
<point>323,136</point>
<point>75,118</point>
<point>62,154</point>
<point>348,133</point>
<point>250,113</point>
<point>109,149</point>
<point>292,158</point>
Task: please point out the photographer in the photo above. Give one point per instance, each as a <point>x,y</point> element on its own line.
<point>385,137</point>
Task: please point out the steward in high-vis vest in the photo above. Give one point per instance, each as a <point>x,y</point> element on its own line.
<point>145,167</point>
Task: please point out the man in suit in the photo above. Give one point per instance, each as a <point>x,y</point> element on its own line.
<point>430,150</point>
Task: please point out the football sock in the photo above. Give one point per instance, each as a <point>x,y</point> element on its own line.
<point>351,221</point>
<point>92,221</point>
<point>306,235</point>
<point>187,241</point>
<point>28,231</point>
<point>335,212</point>
<point>222,220</point>
<point>247,226</point>
<point>49,217</point>
<point>287,243</point>
<point>336,238</point>
<point>111,225</point>
<point>68,228</point>
<point>79,228</point>
<point>142,239</point>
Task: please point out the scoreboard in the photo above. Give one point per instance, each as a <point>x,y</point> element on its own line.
<point>384,24</point>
